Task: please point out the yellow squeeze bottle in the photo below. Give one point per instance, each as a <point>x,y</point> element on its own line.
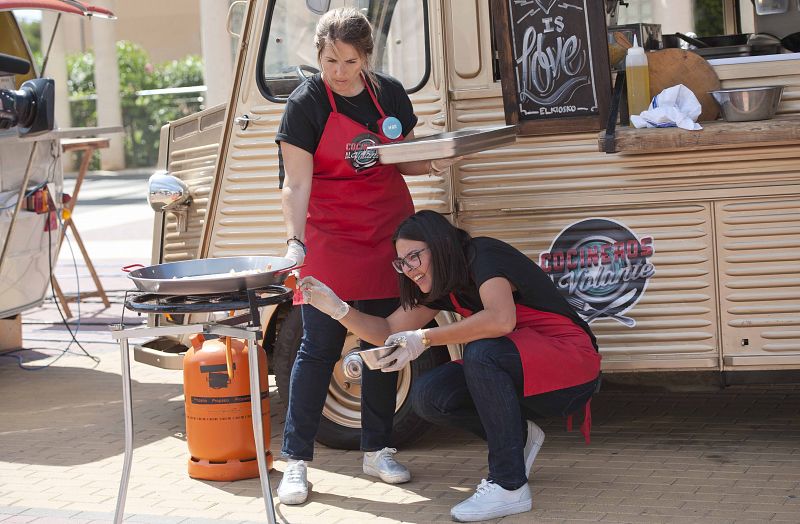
<point>637,79</point>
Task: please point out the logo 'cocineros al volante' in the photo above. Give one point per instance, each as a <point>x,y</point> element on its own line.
<point>357,151</point>
<point>601,267</point>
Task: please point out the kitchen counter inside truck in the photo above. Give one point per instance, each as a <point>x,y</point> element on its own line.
<point>750,71</point>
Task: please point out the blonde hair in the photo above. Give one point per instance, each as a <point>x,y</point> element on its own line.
<point>350,26</point>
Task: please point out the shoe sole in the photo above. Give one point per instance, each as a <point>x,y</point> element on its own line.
<point>293,499</point>
<point>537,446</point>
<point>511,509</point>
<point>372,472</point>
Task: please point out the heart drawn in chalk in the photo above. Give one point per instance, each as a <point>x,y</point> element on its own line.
<point>543,3</point>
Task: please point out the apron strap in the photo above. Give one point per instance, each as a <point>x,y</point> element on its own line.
<point>372,95</point>
<point>330,96</point>
<point>586,426</point>
<point>460,310</point>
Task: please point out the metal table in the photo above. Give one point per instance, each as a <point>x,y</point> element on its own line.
<point>250,334</point>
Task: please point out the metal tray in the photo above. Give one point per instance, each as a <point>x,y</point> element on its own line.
<point>447,145</point>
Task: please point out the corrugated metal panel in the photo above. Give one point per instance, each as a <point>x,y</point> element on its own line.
<point>760,280</point>
<point>676,324</point>
<point>526,193</point>
<point>192,155</point>
<point>249,218</point>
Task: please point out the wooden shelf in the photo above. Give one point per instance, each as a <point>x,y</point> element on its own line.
<point>781,130</point>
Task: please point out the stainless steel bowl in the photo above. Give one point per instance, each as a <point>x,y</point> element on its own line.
<point>748,103</point>
<point>371,356</point>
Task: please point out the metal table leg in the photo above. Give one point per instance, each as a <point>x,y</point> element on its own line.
<point>127,404</point>
<point>251,333</point>
<point>119,332</point>
<point>258,427</point>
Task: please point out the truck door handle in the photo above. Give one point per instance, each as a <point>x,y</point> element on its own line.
<point>244,121</point>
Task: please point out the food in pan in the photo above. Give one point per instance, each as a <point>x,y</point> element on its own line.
<point>231,273</point>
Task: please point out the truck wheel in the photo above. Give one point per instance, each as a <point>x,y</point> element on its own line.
<point>340,426</point>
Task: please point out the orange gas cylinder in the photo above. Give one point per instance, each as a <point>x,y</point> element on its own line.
<point>219,427</point>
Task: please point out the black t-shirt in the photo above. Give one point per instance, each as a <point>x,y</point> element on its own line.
<point>308,107</point>
<point>489,258</point>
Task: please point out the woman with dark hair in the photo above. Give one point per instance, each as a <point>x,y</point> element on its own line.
<point>527,353</point>
<point>341,206</point>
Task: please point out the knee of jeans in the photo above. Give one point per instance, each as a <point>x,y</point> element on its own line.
<point>313,353</point>
<point>481,352</point>
<point>423,396</point>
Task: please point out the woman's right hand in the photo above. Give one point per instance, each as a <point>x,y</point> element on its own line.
<point>323,298</point>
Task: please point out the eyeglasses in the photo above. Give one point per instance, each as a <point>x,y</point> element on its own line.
<point>411,261</point>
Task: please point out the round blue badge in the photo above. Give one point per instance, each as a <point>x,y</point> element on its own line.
<point>391,127</point>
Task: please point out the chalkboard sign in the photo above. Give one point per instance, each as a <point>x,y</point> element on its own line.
<point>554,64</point>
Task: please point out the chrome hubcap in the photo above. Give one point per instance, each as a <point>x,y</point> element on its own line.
<point>343,404</point>
<point>352,367</point>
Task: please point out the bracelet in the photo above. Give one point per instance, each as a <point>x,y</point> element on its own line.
<point>426,342</point>
<point>294,238</point>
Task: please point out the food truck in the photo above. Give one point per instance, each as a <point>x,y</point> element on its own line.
<point>679,247</point>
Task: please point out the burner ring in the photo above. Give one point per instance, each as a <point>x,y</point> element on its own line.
<point>174,304</point>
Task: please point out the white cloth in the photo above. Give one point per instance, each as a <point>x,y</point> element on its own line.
<point>675,106</point>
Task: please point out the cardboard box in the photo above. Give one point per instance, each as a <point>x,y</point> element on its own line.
<point>11,333</point>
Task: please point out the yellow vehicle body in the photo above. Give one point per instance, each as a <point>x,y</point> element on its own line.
<point>725,222</point>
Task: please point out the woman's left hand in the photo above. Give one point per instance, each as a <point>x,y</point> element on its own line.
<point>440,165</point>
<point>410,346</point>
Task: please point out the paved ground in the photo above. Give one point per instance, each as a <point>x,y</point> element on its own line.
<point>723,456</point>
<point>719,456</point>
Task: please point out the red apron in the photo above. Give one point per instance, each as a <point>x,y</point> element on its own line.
<point>355,206</point>
<point>555,353</point>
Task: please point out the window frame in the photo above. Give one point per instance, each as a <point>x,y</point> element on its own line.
<point>262,52</point>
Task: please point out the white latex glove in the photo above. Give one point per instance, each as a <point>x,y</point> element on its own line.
<point>296,253</point>
<point>409,347</point>
<point>323,298</point>
<point>441,164</point>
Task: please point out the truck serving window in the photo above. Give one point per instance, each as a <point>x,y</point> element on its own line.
<point>288,56</point>
<point>701,17</point>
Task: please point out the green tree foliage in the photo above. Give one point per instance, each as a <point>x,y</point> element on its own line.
<point>708,17</point>
<point>32,29</point>
<point>142,114</point>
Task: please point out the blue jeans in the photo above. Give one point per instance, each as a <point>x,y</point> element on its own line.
<point>486,392</point>
<point>320,349</point>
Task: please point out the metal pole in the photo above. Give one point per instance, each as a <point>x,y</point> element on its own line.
<point>258,427</point>
<point>127,405</point>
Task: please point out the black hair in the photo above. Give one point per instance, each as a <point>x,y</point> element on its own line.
<point>449,247</point>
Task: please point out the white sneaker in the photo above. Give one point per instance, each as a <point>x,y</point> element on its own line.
<point>382,464</point>
<point>532,445</point>
<point>293,488</point>
<point>491,501</point>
